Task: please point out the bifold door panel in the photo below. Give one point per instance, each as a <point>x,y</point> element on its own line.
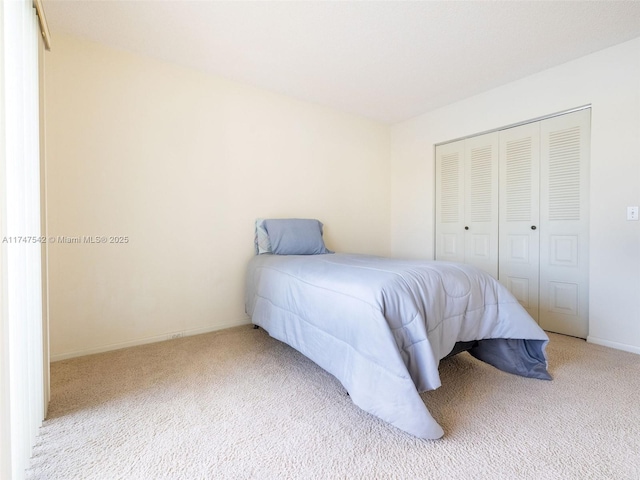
<point>514,203</point>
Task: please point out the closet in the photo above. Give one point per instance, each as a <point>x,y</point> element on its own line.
<point>514,203</point>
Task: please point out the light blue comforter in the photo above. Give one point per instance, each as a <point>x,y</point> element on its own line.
<point>381,325</point>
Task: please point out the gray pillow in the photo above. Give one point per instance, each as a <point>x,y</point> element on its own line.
<point>295,236</point>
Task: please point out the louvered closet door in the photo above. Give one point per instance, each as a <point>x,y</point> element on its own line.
<point>564,164</point>
<point>481,202</point>
<point>519,216</point>
<point>450,202</point>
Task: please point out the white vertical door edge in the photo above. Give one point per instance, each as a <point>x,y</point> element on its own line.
<point>5,403</point>
<point>21,348</point>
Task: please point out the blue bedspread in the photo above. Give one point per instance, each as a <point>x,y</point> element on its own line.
<point>382,325</point>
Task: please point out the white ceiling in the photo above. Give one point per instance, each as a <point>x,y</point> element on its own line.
<point>387,60</point>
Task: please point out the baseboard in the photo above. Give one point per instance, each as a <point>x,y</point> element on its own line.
<point>616,345</point>
<point>146,340</point>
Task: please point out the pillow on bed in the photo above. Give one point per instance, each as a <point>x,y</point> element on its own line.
<point>295,236</point>
<point>263,245</point>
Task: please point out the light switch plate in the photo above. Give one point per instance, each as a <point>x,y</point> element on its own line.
<point>632,213</point>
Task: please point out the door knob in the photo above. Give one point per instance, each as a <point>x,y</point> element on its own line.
<point>466,228</point>
<point>533,227</point>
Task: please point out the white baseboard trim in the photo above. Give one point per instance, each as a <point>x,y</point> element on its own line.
<point>146,340</point>
<point>616,345</point>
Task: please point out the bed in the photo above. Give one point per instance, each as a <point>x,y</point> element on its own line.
<point>382,325</point>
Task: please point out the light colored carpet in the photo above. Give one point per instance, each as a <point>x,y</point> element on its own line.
<point>238,404</point>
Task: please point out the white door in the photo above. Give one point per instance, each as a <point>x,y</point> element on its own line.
<point>481,202</point>
<point>519,217</point>
<point>564,202</point>
<point>450,202</point>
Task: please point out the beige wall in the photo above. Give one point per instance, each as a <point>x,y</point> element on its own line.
<point>608,80</point>
<point>182,163</point>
